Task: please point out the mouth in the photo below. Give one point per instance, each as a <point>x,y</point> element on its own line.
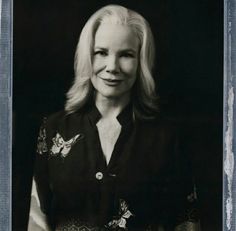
<point>111,82</point>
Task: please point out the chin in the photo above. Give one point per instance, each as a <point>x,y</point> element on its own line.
<point>112,95</point>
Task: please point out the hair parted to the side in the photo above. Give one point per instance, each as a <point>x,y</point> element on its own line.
<point>144,97</point>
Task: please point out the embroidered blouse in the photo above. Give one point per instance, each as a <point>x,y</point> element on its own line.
<point>147,182</point>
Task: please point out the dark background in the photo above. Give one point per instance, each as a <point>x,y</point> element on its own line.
<point>188,73</point>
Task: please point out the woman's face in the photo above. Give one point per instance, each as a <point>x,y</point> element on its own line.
<point>115,60</point>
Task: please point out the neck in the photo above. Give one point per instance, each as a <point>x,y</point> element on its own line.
<point>111,107</point>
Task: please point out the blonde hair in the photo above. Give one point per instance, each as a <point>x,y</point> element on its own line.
<point>143,95</point>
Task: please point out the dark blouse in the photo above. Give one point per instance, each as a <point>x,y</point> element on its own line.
<point>147,182</point>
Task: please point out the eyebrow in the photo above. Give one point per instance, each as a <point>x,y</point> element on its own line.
<point>124,50</point>
<point>101,48</point>
<point>128,50</point>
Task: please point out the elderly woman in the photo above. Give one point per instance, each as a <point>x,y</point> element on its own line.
<point>110,161</point>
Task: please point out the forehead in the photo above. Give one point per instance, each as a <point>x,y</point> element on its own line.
<point>118,36</point>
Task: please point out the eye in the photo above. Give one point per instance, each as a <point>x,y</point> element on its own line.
<point>127,55</point>
<point>100,53</point>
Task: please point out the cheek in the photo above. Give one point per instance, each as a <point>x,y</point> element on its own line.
<point>98,65</point>
<point>130,67</point>
<point>94,81</point>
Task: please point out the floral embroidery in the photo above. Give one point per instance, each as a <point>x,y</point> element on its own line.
<point>60,146</point>
<point>75,224</point>
<point>190,214</point>
<point>121,219</point>
<point>41,143</point>
<point>192,196</point>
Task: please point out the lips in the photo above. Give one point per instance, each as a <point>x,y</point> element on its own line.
<point>111,82</point>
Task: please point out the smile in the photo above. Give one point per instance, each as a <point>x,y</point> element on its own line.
<point>111,82</point>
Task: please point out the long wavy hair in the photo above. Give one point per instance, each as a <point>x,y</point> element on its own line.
<point>143,97</point>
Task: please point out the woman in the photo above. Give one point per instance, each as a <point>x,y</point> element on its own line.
<point>110,161</point>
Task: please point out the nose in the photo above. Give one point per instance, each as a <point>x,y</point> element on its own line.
<point>112,65</point>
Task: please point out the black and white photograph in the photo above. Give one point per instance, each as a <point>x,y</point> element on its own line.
<point>117,115</point>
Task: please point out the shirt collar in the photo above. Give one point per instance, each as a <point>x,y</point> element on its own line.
<point>124,118</point>
<point>94,114</point>
<point>126,115</point>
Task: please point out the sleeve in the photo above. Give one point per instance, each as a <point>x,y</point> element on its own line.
<point>37,219</point>
<point>188,218</point>
<point>187,212</point>
<point>41,194</point>
<point>177,207</point>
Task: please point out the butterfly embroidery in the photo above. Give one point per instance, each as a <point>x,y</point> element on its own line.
<point>60,146</point>
<point>124,214</point>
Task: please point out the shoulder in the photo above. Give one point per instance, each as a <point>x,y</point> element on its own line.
<point>61,118</point>
<point>58,126</point>
<point>158,137</point>
<point>161,125</point>
<point>55,118</point>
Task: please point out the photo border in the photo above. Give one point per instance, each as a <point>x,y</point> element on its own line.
<point>229,141</point>
<point>6,25</point>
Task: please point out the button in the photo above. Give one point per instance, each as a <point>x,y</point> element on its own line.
<point>99,175</point>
